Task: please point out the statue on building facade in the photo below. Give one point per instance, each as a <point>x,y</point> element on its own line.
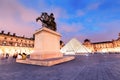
<point>48,21</point>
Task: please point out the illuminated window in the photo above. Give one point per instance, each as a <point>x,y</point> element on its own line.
<point>4,43</point>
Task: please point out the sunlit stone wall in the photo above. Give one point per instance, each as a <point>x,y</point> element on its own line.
<point>12,44</point>
<point>11,50</point>
<point>112,46</point>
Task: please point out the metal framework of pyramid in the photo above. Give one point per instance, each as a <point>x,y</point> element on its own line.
<point>74,47</point>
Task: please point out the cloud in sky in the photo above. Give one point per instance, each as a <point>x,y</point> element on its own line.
<point>107,31</point>
<point>71,28</point>
<point>70,31</point>
<point>80,13</point>
<point>16,18</point>
<point>93,6</point>
<point>81,19</point>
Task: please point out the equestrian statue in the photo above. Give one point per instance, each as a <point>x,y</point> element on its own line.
<point>48,21</point>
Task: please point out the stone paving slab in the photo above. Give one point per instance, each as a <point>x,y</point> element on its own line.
<point>92,67</point>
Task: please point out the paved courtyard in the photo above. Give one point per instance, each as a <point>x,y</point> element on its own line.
<point>92,67</point>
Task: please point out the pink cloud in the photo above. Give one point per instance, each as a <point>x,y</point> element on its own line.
<point>70,31</point>
<point>109,31</point>
<point>74,27</point>
<point>58,12</point>
<point>80,37</point>
<point>16,18</point>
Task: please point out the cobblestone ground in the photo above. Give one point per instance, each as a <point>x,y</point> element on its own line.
<point>92,67</point>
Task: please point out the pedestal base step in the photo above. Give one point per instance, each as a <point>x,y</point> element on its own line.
<point>48,62</point>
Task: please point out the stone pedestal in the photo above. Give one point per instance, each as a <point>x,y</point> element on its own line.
<point>47,44</point>
<point>46,49</point>
<point>47,62</point>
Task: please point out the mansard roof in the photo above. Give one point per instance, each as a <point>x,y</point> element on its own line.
<point>14,35</point>
<point>102,42</point>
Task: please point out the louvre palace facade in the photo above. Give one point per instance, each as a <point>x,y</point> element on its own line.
<point>112,46</point>
<point>12,44</point>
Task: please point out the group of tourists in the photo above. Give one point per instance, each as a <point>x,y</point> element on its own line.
<point>4,56</point>
<point>15,56</point>
<point>21,56</point>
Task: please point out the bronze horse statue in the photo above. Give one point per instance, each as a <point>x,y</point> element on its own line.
<point>47,21</point>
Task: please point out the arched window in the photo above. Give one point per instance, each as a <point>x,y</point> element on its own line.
<point>4,43</point>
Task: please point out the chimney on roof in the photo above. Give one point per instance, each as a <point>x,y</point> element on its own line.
<point>2,31</point>
<point>14,34</point>
<point>8,33</point>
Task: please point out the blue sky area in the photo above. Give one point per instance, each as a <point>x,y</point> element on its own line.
<point>97,20</point>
